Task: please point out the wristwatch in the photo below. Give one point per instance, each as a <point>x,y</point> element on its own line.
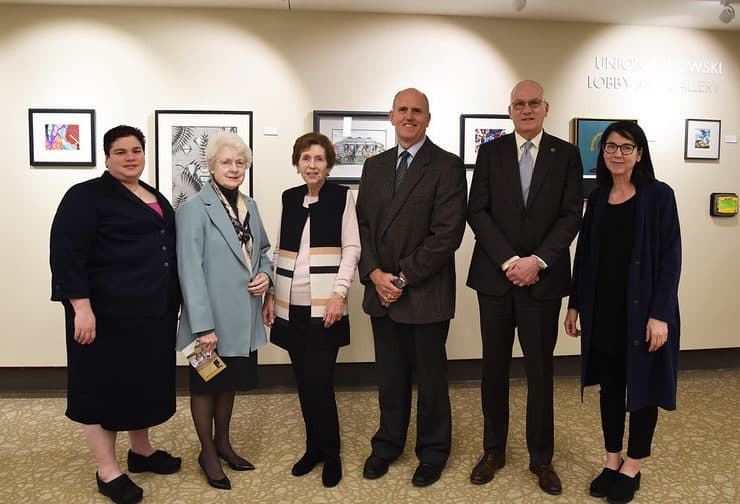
<point>400,282</point>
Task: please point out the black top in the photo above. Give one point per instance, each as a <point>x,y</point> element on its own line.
<point>616,238</point>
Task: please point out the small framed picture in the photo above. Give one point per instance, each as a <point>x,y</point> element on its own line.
<point>702,139</point>
<point>61,137</point>
<point>477,129</point>
<point>180,141</point>
<point>356,136</point>
<point>587,136</point>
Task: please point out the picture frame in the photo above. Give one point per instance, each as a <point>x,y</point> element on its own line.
<point>61,137</point>
<point>586,136</point>
<point>477,129</point>
<point>702,139</point>
<point>356,136</point>
<point>181,137</point>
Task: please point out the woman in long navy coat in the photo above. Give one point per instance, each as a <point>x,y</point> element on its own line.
<point>114,269</point>
<point>625,289</point>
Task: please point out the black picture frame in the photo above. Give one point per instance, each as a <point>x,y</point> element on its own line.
<point>373,134</point>
<point>477,129</point>
<point>702,139</point>
<point>586,136</point>
<point>61,137</point>
<point>180,168</point>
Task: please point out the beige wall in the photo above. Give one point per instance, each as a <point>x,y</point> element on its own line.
<point>125,63</point>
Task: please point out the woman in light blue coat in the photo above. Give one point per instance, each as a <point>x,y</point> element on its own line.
<point>224,271</point>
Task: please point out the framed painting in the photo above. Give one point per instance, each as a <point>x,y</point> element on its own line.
<point>702,139</point>
<point>477,129</point>
<point>181,137</point>
<point>61,137</point>
<point>356,136</point>
<point>587,135</point>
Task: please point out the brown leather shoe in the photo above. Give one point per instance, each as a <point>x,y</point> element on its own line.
<point>547,478</point>
<point>486,467</point>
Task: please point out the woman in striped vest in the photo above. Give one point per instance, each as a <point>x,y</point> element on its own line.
<point>317,250</point>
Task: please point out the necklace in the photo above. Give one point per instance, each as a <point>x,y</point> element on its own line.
<point>137,191</point>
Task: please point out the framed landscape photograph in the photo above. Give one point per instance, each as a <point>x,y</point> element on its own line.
<point>702,139</point>
<point>587,135</point>
<point>181,137</point>
<point>61,137</point>
<point>356,135</point>
<point>477,129</point>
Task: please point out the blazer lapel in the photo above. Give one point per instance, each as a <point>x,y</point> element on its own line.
<point>510,165</point>
<point>122,191</point>
<point>220,219</point>
<point>546,152</point>
<point>416,171</point>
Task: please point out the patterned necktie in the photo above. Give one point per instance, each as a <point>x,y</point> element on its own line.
<point>526,167</point>
<point>403,167</point>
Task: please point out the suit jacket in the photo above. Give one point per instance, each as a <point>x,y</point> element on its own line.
<point>109,246</point>
<point>415,229</point>
<point>505,227</point>
<point>652,292</point>
<point>214,276</point>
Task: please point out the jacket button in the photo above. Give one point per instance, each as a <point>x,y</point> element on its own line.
<point>164,247</point>
<point>166,264</point>
<point>635,301</point>
<point>637,263</point>
<point>161,231</point>
<point>636,342</point>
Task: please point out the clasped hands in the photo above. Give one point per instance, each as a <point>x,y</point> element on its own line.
<point>523,271</point>
<point>387,292</point>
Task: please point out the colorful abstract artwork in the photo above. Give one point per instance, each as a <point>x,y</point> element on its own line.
<point>62,136</point>
<point>477,129</point>
<point>703,138</point>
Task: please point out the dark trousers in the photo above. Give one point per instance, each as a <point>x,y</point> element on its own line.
<point>537,326</point>
<point>613,383</point>
<point>314,375</point>
<point>399,350</point>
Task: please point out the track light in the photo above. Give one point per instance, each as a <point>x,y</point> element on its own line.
<point>519,5</point>
<point>728,11</point>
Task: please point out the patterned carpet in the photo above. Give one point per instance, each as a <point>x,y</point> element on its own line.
<point>696,455</point>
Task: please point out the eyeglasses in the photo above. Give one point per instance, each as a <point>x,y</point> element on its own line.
<point>627,149</point>
<point>533,104</point>
<point>239,163</point>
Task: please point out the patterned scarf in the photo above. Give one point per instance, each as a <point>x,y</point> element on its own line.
<point>243,233</point>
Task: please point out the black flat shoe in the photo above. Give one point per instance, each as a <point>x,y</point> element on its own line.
<point>120,490</point>
<point>221,484</point>
<point>426,474</point>
<point>305,465</point>
<point>332,472</point>
<point>159,462</point>
<point>375,467</point>
<point>623,489</point>
<point>602,483</point>
<point>240,464</point>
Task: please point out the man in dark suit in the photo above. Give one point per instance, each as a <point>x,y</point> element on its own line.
<point>525,209</point>
<point>411,214</point>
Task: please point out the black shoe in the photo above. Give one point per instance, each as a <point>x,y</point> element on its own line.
<point>623,489</point>
<point>375,467</point>
<point>221,484</point>
<point>120,490</point>
<point>602,483</point>
<point>159,462</point>
<point>332,472</point>
<point>240,464</point>
<point>305,465</point>
<point>426,474</point>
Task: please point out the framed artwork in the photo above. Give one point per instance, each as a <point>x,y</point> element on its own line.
<point>477,129</point>
<point>61,137</point>
<point>356,135</point>
<point>702,139</point>
<point>587,135</point>
<point>181,137</point>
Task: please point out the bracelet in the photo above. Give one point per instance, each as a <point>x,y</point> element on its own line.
<point>342,296</point>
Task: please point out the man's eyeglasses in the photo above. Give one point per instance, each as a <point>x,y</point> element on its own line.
<point>239,163</point>
<point>627,149</point>
<point>533,104</point>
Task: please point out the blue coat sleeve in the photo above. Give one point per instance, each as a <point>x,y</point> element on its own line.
<point>664,303</point>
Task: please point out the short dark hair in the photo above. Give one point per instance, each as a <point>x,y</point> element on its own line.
<point>304,142</point>
<point>121,131</point>
<point>643,172</point>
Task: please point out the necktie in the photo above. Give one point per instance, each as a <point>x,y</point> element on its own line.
<point>526,167</point>
<point>403,167</point>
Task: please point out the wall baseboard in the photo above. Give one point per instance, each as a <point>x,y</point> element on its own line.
<point>279,377</point>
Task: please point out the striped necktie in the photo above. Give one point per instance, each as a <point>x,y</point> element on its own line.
<point>526,167</point>
<point>403,167</point>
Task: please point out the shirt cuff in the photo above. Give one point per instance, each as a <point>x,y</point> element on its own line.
<point>508,262</point>
<point>542,264</point>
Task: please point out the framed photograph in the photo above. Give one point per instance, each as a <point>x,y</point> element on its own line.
<point>61,137</point>
<point>702,139</point>
<point>587,135</point>
<point>356,136</point>
<point>477,129</point>
<point>181,137</point>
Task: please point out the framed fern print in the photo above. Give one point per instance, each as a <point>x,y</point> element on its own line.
<point>180,142</point>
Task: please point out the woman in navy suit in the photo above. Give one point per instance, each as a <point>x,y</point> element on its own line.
<point>113,268</point>
<point>625,289</point>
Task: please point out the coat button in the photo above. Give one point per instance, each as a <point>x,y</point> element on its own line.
<point>636,342</point>
<point>161,231</point>
<point>635,301</point>
<point>637,263</point>
<point>166,264</point>
<point>164,247</point>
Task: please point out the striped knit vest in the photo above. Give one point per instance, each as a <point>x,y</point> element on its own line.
<point>325,246</point>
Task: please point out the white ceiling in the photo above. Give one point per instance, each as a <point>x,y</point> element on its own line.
<point>677,13</point>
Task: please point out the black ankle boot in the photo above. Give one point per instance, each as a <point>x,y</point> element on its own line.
<point>623,489</point>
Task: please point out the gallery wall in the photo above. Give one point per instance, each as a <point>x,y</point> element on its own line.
<point>127,62</point>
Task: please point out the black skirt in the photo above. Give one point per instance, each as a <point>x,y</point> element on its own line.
<point>240,374</point>
<point>125,379</point>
